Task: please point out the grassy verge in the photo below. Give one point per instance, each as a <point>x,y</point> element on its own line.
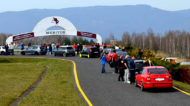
<point>15,78</point>
<point>182,85</point>
<point>56,88</point>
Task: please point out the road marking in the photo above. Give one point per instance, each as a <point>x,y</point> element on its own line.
<point>181,91</point>
<point>78,85</point>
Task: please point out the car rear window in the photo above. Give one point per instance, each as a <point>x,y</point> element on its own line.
<point>94,49</point>
<point>158,71</point>
<point>3,47</point>
<point>69,48</point>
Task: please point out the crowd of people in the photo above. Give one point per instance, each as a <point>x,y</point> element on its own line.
<point>124,66</point>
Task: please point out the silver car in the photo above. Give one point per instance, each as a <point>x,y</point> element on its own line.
<point>64,51</point>
<point>34,50</point>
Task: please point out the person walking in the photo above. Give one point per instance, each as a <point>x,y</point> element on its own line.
<point>132,70</point>
<point>6,49</point>
<point>22,46</point>
<point>126,63</point>
<point>50,49</point>
<point>103,63</point>
<point>140,53</point>
<point>115,60</point>
<point>74,46</point>
<point>121,68</point>
<point>53,47</point>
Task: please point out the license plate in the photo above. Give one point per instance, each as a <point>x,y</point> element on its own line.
<point>95,52</point>
<point>159,79</point>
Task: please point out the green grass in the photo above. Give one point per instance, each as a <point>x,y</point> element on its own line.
<point>182,85</point>
<point>15,78</point>
<point>56,89</point>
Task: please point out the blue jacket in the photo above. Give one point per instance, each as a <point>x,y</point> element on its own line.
<point>132,64</point>
<point>103,60</point>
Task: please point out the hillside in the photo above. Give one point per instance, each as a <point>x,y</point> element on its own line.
<point>101,19</point>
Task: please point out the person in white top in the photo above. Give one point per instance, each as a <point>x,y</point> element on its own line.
<point>126,75</point>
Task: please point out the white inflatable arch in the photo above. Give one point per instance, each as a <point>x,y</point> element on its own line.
<point>41,29</point>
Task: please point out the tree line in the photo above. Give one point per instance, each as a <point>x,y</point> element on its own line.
<point>66,40</point>
<point>174,43</point>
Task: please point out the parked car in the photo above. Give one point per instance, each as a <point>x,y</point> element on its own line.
<point>34,50</point>
<point>2,51</point>
<point>154,77</point>
<point>90,52</point>
<point>139,65</point>
<point>64,51</point>
<point>107,50</point>
<point>118,51</point>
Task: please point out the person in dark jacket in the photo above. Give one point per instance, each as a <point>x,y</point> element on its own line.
<point>50,49</point>
<point>132,70</point>
<point>121,68</point>
<point>6,49</point>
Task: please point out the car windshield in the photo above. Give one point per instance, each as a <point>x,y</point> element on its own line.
<point>61,48</point>
<point>30,47</point>
<point>158,71</point>
<point>35,47</point>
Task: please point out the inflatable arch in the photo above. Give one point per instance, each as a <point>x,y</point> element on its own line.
<point>41,29</point>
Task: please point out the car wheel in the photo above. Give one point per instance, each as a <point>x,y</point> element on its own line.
<point>2,53</point>
<point>88,56</point>
<point>80,55</point>
<point>142,87</point>
<point>64,55</point>
<point>22,53</point>
<point>36,53</point>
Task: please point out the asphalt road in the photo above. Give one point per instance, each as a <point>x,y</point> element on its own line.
<point>105,90</point>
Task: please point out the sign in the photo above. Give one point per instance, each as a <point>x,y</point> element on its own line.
<point>86,34</point>
<point>23,36</point>
<point>55,32</point>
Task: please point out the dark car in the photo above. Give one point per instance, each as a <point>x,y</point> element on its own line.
<point>139,65</point>
<point>90,52</point>
<point>121,53</point>
<point>34,50</point>
<point>64,51</point>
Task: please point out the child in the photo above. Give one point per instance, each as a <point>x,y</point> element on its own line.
<point>103,62</point>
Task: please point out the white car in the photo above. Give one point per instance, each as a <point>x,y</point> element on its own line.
<point>2,50</point>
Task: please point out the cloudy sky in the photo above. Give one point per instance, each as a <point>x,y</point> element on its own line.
<point>20,5</point>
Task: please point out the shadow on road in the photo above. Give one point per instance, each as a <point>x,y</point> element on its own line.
<point>160,90</point>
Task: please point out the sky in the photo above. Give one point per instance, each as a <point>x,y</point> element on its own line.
<point>21,5</point>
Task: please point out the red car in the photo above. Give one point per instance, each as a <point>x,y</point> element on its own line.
<point>154,77</point>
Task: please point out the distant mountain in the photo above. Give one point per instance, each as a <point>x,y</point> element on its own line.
<point>101,19</point>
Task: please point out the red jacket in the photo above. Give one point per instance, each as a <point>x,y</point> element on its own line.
<point>115,57</point>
